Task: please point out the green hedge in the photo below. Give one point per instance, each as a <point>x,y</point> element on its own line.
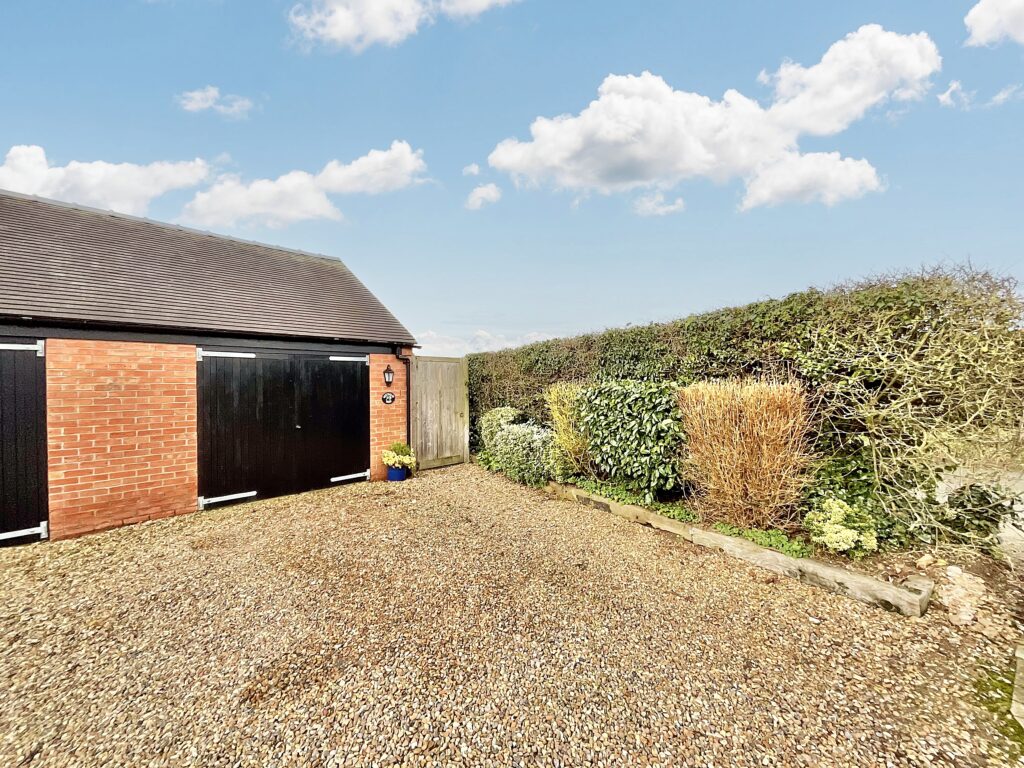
<point>913,375</point>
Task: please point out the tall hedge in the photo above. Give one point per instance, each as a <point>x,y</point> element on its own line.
<point>912,375</point>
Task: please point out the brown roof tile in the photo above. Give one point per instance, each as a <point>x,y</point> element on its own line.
<point>60,262</point>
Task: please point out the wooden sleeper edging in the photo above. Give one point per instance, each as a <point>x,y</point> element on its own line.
<point>909,598</point>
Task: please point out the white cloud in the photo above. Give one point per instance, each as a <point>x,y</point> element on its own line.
<point>485,194</point>
<point>358,24</point>
<point>1009,93</point>
<point>379,170</point>
<point>471,170</point>
<point>868,67</point>
<point>442,345</point>
<point>123,187</point>
<point>955,96</point>
<point>298,195</point>
<point>469,8</point>
<point>992,21</point>
<point>210,98</point>
<point>822,177</point>
<point>295,196</point>
<point>640,133</point>
<point>654,204</point>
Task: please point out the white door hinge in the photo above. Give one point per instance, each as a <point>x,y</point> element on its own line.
<point>205,502</point>
<point>364,475</point>
<point>43,530</point>
<point>203,353</point>
<point>39,347</point>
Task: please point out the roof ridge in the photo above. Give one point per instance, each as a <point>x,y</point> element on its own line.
<point>165,225</point>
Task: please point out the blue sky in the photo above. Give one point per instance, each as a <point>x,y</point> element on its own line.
<point>345,127</point>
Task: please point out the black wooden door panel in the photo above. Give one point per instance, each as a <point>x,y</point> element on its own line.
<point>272,425</point>
<point>333,413</point>
<point>23,486</point>
<point>246,440</point>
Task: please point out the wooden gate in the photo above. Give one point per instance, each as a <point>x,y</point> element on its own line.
<point>440,411</point>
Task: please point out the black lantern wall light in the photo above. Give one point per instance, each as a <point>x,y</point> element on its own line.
<point>389,376</point>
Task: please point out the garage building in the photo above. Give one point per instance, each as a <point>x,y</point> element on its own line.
<point>149,370</point>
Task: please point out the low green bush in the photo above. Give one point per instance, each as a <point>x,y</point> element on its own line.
<point>634,434</point>
<point>842,527</point>
<point>521,452</point>
<point>484,459</point>
<point>495,420</point>
<point>772,539</point>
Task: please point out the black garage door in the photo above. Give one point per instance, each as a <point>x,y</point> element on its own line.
<point>274,424</point>
<point>23,503</point>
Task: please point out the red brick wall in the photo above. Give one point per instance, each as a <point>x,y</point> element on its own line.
<point>387,422</point>
<point>121,420</point>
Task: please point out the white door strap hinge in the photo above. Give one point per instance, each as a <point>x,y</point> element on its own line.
<point>39,347</point>
<point>364,475</point>
<point>344,359</point>
<point>203,353</point>
<point>205,502</point>
<point>43,530</point>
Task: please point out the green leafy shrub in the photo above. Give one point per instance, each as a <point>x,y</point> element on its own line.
<point>772,539</point>
<point>677,510</point>
<point>842,527</point>
<point>634,434</point>
<point>484,459</point>
<point>850,478</point>
<point>521,451</point>
<point>495,420</point>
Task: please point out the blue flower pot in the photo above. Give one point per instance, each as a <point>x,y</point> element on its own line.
<point>397,474</point>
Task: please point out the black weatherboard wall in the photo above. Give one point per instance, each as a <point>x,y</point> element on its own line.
<point>23,481</point>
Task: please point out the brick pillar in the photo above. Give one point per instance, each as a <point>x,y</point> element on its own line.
<point>387,422</point>
<point>121,426</point>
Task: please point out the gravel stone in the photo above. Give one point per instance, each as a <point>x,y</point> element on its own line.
<point>460,620</point>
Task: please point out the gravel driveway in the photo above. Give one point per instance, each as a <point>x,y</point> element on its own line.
<point>458,619</point>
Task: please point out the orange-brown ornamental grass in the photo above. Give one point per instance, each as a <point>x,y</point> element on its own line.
<point>747,449</point>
